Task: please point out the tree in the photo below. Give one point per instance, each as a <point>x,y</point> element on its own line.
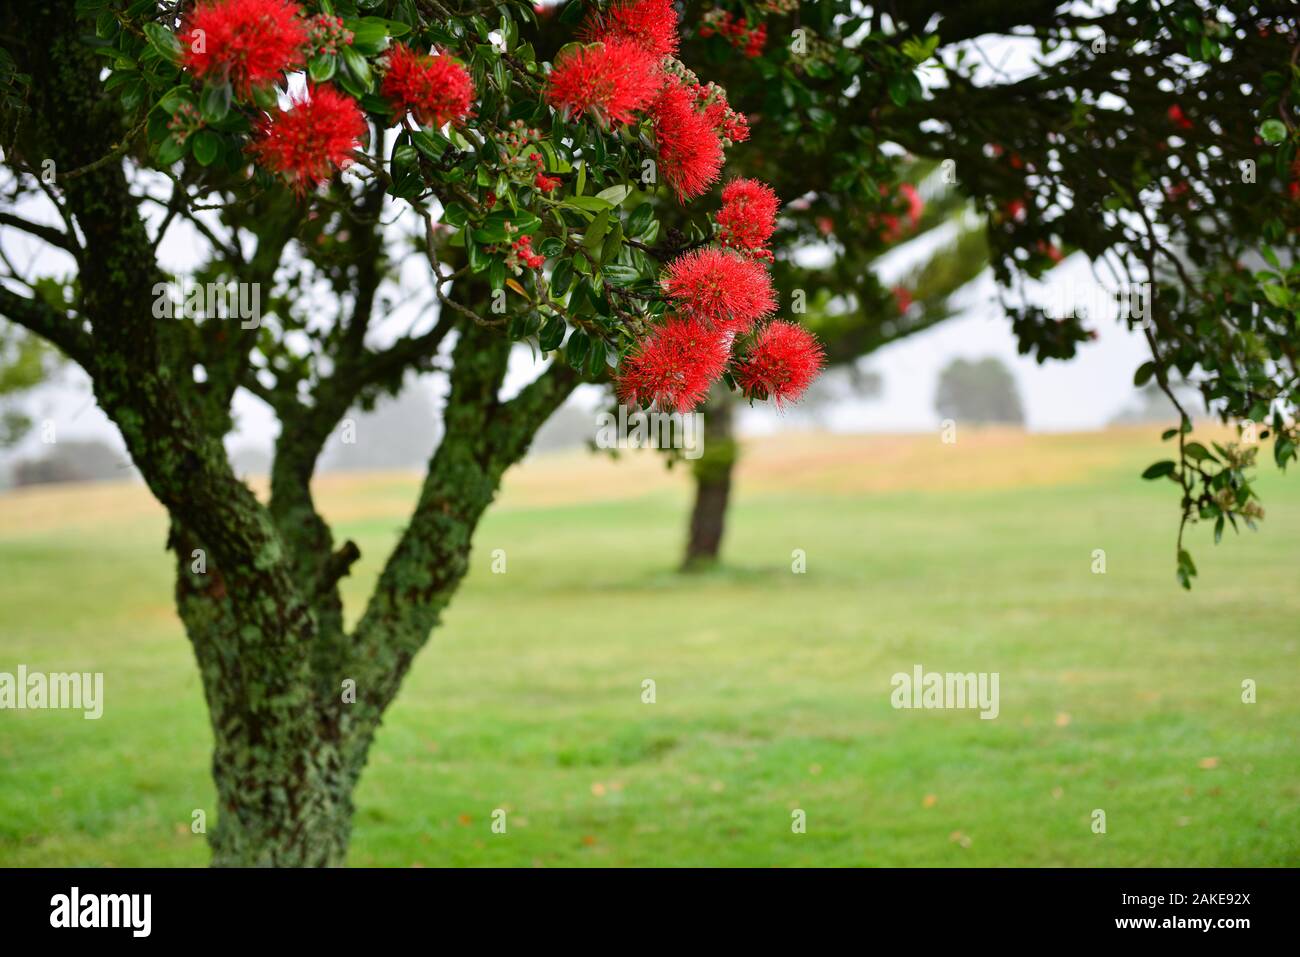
<point>979,391</point>
<point>488,152</point>
<point>1157,138</point>
<point>535,177</point>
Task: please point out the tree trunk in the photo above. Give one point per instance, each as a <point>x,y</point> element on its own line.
<point>712,472</point>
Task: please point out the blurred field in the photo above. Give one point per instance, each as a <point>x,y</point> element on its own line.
<point>1118,691</point>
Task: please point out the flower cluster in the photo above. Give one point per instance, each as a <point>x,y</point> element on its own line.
<point>185,122</point>
<point>650,24</point>
<point>781,363</point>
<point>326,35</point>
<point>721,288</point>
<point>521,252</point>
<point>890,225</point>
<point>614,79</point>
<point>690,152</point>
<point>716,296</point>
<point>436,90</point>
<point>311,139</point>
<point>748,217</point>
<point>674,366</point>
<point>748,38</point>
<point>248,42</point>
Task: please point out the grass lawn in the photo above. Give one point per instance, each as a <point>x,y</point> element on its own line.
<point>1118,691</point>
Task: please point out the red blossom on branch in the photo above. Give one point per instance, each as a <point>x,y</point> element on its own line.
<point>690,153</point>
<point>249,42</point>
<point>311,139</point>
<point>720,288</point>
<point>674,365</point>
<point>436,90</point>
<point>651,24</point>
<point>614,79</point>
<point>748,216</point>
<point>782,362</point>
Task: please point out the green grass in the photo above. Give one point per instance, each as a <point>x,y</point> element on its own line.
<point>772,688</point>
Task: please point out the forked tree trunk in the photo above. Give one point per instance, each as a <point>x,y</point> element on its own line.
<point>712,473</point>
<point>290,744</point>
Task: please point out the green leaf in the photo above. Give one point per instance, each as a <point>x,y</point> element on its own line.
<point>640,220</point>
<point>1144,373</point>
<point>1277,295</point>
<point>1198,452</point>
<point>215,102</point>
<point>575,350</point>
<point>596,231</point>
<point>206,146</point>
<point>592,204</point>
<point>1158,469</point>
<point>170,151</point>
<point>321,67</point>
<point>369,35</point>
<point>614,195</point>
<point>164,41</point>
<point>358,67</point>
<point>551,247</point>
<point>561,277</point>
<point>552,334</point>
<point>619,275</point>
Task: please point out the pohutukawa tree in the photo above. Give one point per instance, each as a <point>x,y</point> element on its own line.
<point>535,161</point>
<point>288,135</point>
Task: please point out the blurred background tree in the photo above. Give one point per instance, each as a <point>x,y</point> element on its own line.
<point>981,391</point>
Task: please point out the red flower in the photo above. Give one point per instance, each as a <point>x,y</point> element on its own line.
<point>674,365</point>
<point>251,42</point>
<point>523,250</point>
<point>720,288</point>
<point>1176,117</point>
<point>436,89</point>
<point>545,183</point>
<point>614,79</point>
<point>748,215</point>
<point>915,205</point>
<point>312,138</point>
<point>783,361</point>
<point>1049,250</point>
<point>711,100</point>
<point>690,153</point>
<point>902,298</point>
<point>651,24</point>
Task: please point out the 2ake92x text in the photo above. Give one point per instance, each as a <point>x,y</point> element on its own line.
<point>1197,899</point>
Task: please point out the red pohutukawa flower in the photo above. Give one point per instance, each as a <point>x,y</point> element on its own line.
<point>436,90</point>
<point>674,365</point>
<point>614,79</point>
<point>783,361</point>
<point>251,42</point>
<point>312,138</point>
<point>748,216</point>
<point>651,24</point>
<point>690,153</point>
<point>723,289</point>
